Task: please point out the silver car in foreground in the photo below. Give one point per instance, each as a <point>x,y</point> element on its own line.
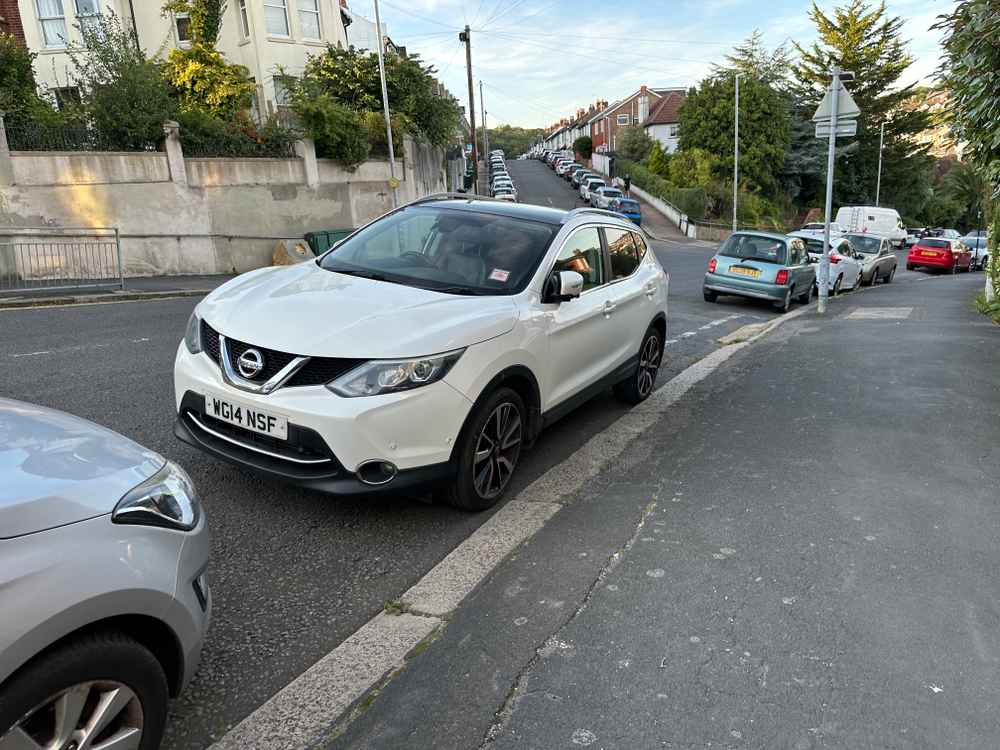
<point>103,595</point>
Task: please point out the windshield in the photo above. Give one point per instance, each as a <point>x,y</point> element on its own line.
<point>813,246</point>
<point>865,244</point>
<point>814,227</point>
<point>751,247</point>
<point>457,251</point>
<point>610,192</point>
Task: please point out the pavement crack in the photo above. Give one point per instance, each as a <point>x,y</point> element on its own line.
<point>519,686</point>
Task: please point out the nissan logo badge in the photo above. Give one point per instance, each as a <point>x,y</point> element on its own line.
<point>250,363</point>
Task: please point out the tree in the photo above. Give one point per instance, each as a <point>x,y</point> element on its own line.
<point>707,123</point>
<point>351,77</point>
<point>18,92</point>
<point>514,140</point>
<point>966,187</point>
<point>659,161</point>
<point>583,146</point>
<point>634,144</point>
<point>863,39</point>
<point>971,62</point>
<point>754,60</point>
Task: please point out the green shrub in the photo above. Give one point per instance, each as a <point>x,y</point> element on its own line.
<point>200,78</point>
<point>584,146</point>
<point>693,167</point>
<point>203,134</point>
<point>374,123</point>
<point>691,201</point>
<point>659,161</point>
<point>338,130</point>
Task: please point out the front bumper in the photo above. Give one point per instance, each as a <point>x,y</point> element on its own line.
<point>329,437</point>
<point>745,287</point>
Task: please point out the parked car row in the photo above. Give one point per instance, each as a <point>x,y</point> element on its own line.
<point>783,268</point>
<point>454,331</point>
<point>501,183</point>
<point>593,188</point>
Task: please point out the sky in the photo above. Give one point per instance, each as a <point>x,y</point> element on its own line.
<point>540,60</point>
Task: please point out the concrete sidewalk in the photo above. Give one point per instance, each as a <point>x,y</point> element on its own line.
<point>152,287</point>
<point>802,554</point>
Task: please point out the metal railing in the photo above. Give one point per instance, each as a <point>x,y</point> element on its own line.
<point>55,258</point>
<point>37,136</point>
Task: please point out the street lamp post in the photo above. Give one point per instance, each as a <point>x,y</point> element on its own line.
<point>736,153</point>
<point>385,104</point>
<point>878,182</point>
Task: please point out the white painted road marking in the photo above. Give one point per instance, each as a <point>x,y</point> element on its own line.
<point>304,711</point>
<point>78,348</point>
<point>880,313</point>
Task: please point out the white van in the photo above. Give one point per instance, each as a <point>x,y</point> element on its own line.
<point>884,222</point>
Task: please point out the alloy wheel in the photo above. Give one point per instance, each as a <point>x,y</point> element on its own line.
<point>497,450</point>
<point>100,715</point>
<point>649,365</point>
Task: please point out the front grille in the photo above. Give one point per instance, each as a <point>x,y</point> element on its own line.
<point>318,371</point>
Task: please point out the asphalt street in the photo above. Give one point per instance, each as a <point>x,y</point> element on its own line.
<point>294,573</point>
<point>801,554</point>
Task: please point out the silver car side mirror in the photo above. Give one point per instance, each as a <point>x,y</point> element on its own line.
<point>563,286</point>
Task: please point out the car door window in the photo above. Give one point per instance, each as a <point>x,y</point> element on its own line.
<point>582,253</point>
<point>621,248</point>
<point>640,245</point>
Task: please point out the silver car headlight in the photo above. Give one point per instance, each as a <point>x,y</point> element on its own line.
<point>166,499</point>
<point>192,334</point>
<point>389,376</point>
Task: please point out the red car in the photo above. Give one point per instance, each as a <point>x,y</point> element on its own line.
<point>938,252</point>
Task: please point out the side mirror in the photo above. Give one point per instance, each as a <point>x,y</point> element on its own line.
<point>562,286</point>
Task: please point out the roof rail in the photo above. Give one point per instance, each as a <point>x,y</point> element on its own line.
<point>450,197</point>
<point>589,210</point>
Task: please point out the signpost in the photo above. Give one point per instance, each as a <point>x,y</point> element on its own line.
<point>836,115</point>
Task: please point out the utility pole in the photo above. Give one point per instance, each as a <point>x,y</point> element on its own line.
<point>824,261</point>
<point>878,182</point>
<point>736,154</point>
<point>466,36</point>
<point>393,183</point>
<point>486,132</point>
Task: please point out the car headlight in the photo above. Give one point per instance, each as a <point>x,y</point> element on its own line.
<point>389,376</point>
<point>166,499</point>
<point>192,334</point>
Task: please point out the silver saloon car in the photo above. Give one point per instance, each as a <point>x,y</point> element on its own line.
<point>103,594</point>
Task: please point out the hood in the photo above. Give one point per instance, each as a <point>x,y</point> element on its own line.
<point>306,310</point>
<point>57,469</point>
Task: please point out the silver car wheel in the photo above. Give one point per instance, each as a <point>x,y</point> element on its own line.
<point>497,450</point>
<point>99,715</point>
<point>649,365</point>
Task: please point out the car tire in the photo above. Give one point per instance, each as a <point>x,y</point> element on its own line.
<point>837,286</point>
<point>636,387</point>
<point>910,267</point>
<point>954,267</point>
<point>783,307</point>
<point>709,295</point>
<point>475,486</point>
<point>807,296</point>
<point>873,278</point>
<point>88,667</point>
<point>888,279</point>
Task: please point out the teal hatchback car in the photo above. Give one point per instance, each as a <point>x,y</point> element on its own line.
<point>764,266</point>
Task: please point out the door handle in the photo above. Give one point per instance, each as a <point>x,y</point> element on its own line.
<point>651,289</point>
<point>609,307</point>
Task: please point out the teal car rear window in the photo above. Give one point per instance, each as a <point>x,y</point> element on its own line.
<point>753,247</point>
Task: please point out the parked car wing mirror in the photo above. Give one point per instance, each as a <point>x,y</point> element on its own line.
<point>563,286</point>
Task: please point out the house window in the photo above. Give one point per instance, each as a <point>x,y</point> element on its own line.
<point>66,96</point>
<point>276,17</point>
<point>623,119</point>
<point>244,19</point>
<point>182,22</point>
<point>309,23</point>
<point>672,131</point>
<point>88,13</point>
<point>53,20</point>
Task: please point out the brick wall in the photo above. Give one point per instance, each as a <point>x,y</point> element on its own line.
<point>11,19</point>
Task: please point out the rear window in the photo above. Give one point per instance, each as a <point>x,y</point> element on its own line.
<point>936,243</point>
<point>628,205</point>
<point>753,247</point>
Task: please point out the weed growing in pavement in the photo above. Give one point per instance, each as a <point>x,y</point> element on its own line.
<point>989,308</point>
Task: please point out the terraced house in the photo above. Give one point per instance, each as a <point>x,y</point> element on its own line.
<point>263,35</point>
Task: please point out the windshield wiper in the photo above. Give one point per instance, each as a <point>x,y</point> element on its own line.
<point>362,274</point>
<point>469,291</point>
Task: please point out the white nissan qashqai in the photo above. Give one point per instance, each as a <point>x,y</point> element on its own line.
<point>427,349</point>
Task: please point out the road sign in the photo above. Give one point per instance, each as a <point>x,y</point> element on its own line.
<point>846,107</point>
<point>844,128</point>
